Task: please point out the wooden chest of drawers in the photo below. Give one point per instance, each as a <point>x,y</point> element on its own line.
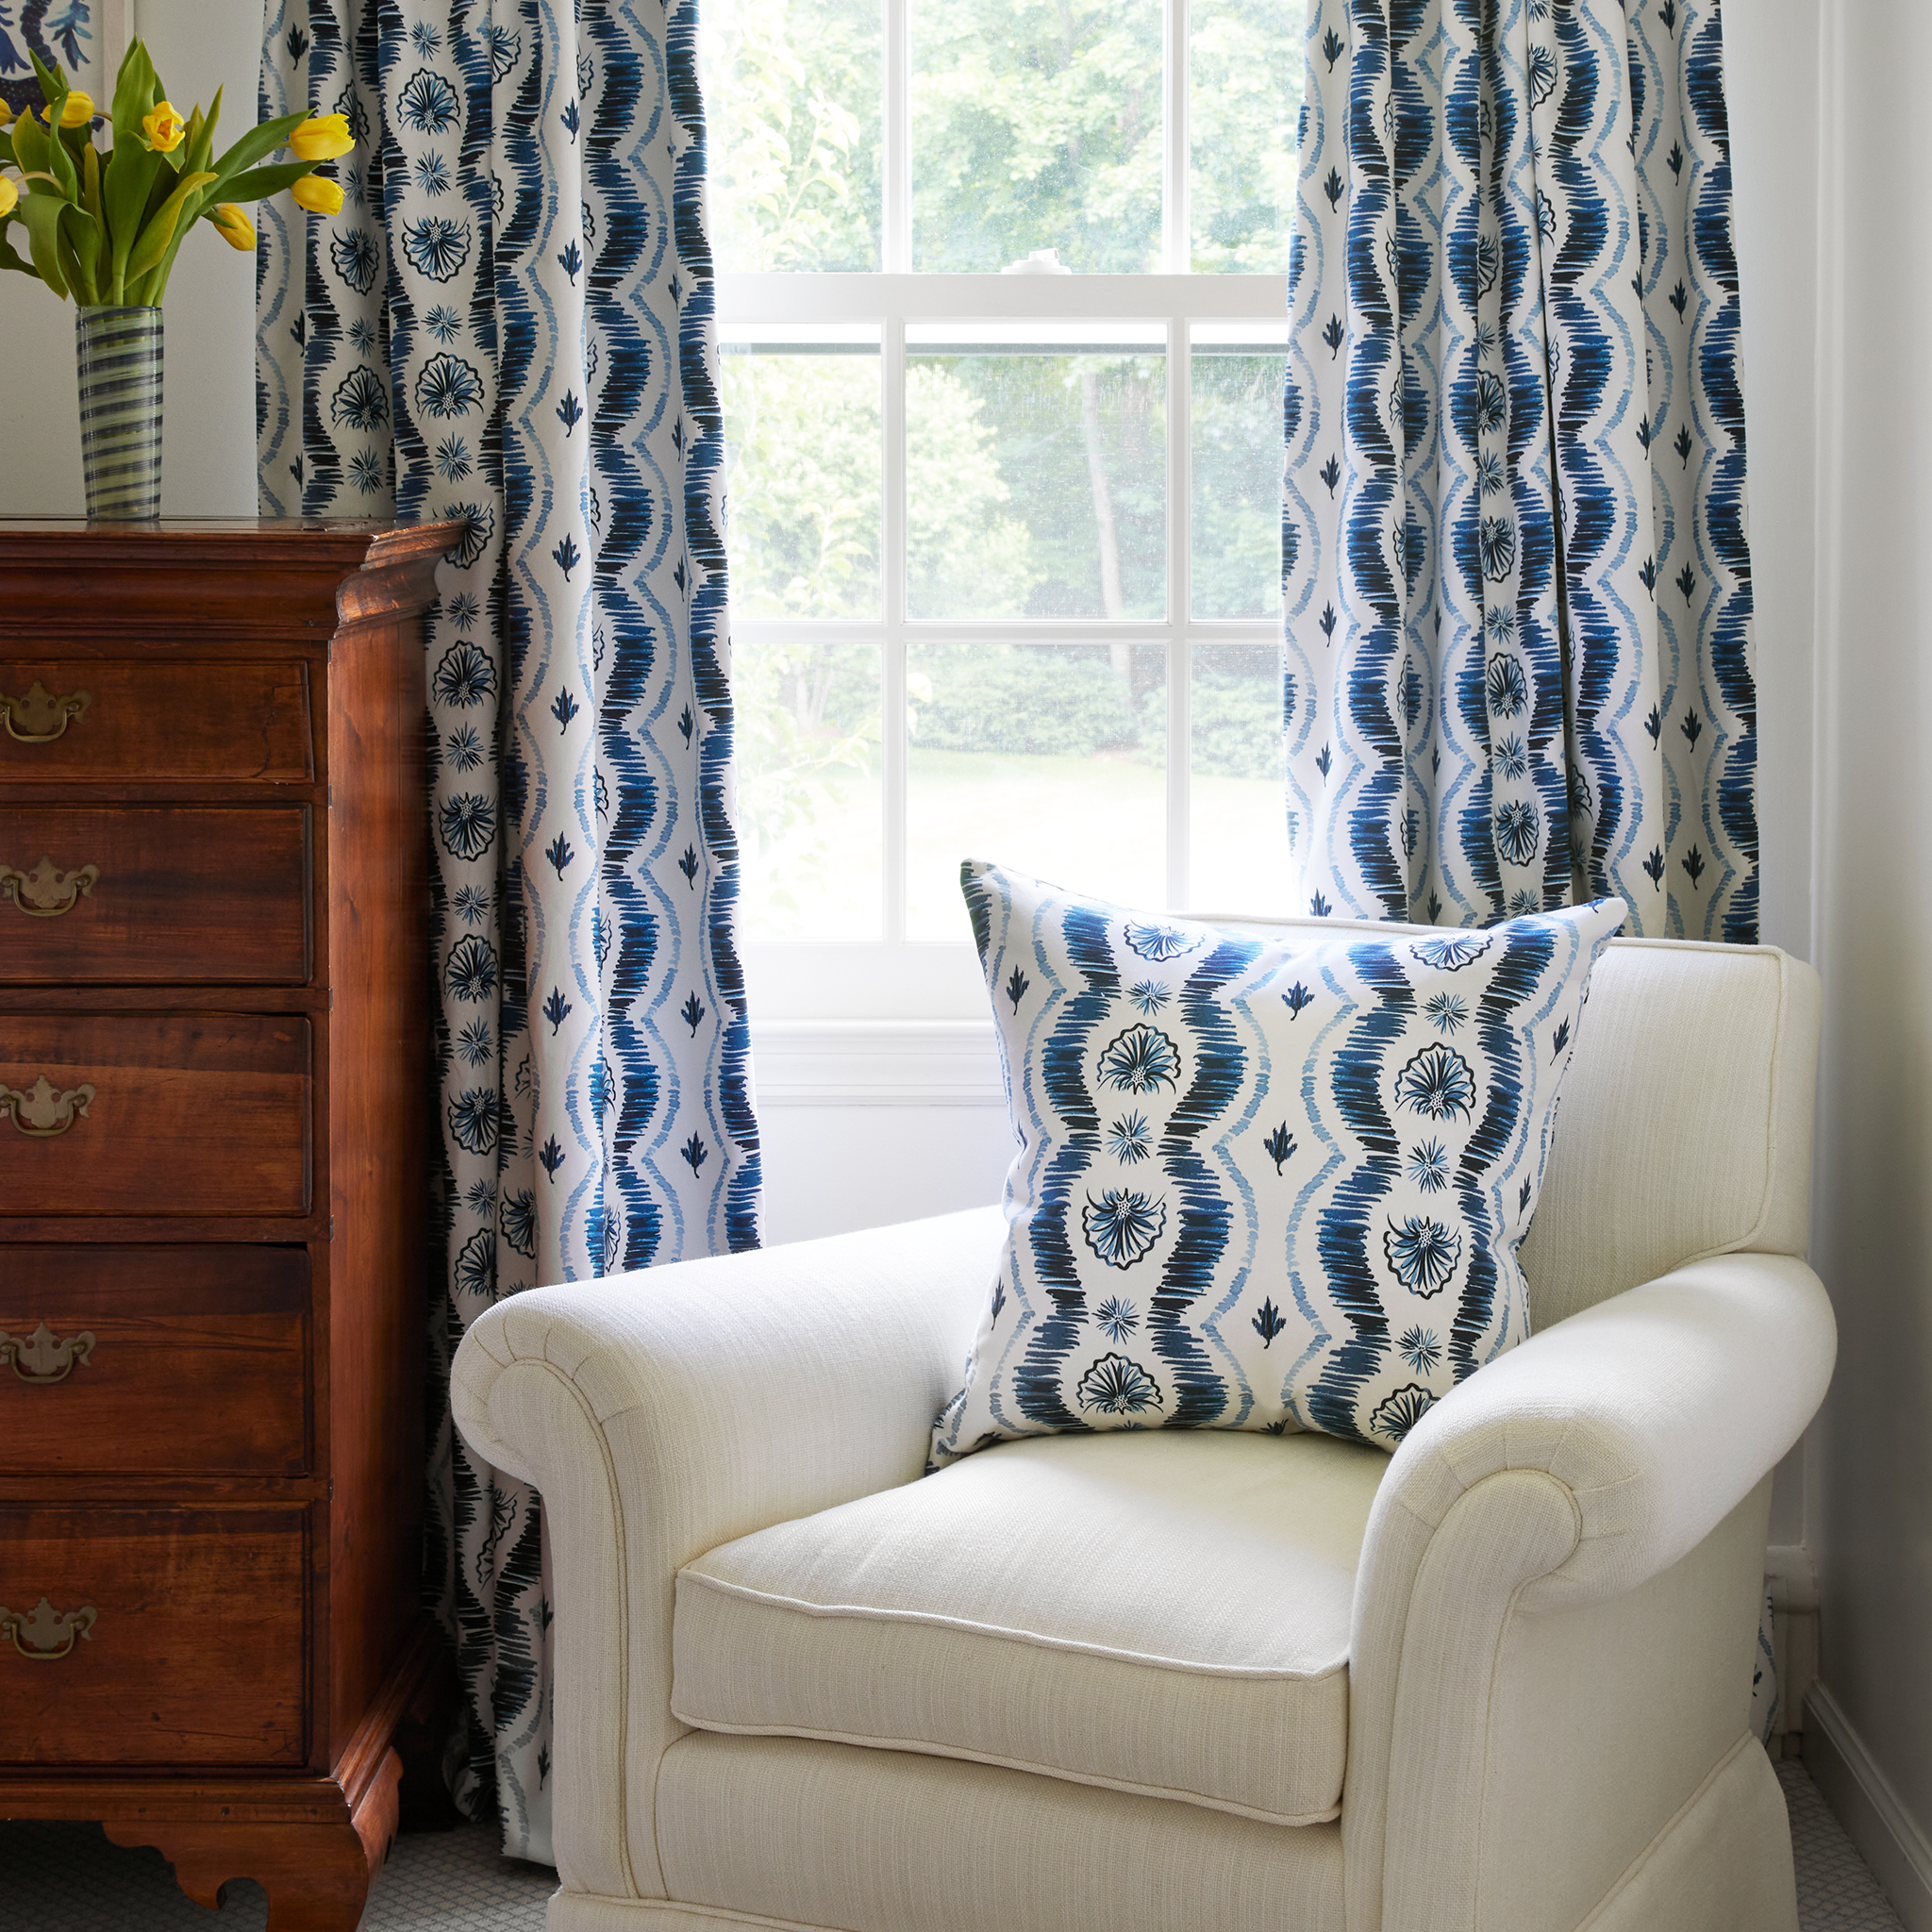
<point>214,1078</point>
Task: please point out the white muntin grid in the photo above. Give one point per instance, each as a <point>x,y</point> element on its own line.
<point>1171,312</point>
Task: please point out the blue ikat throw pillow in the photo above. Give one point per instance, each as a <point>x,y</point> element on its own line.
<point>1263,1183</point>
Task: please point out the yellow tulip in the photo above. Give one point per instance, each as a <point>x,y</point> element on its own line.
<point>322,138</point>
<point>78,111</point>
<point>5,115</point>
<point>9,194</point>
<point>234,227</point>
<point>318,195</point>
<point>164,128</point>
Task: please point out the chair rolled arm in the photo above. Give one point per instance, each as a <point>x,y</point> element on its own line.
<point>1658,1410</point>
<point>663,1413</point>
<point>1566,1472</point>
<point>760,1385</point>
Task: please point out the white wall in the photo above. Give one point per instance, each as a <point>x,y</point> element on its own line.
<point>1771,88</point>
<point>209,314</point>
<point>1870,1521</point>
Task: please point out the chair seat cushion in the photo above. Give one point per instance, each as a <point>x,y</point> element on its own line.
<point>1162,1611</point>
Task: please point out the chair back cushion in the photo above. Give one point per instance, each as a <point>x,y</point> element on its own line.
<point>1685,1126</point>
<point>1685,1119</point>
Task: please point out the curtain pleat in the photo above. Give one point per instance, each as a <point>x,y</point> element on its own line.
<point>509,322</point>
<point>1518,663</point>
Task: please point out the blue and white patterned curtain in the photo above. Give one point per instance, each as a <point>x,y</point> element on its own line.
<point>1519,664</point>
<point>510,321</point>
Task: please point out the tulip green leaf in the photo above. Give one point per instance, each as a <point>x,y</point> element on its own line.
<point>81,235</point>
<point>194,151</point>
<point>160,230</point>
<point>131,173</point>
<point>58,162</point>
<point>257,182</point>
<point>30,144</point>
<point>41,214</point>
<point>53,83</point>
<point>257,143</point>
<point>135,92</point>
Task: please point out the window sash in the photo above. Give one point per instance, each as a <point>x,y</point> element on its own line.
<point>898,978</point>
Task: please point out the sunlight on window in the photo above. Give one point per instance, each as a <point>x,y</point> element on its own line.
<point>1238,370</point>
<point>809,818</point>
<point>1036,479</point>
<point>1239,820</point>
<point>1035,124</point>
<point>802,468</point>
<point>1051,757</point>
<point>802,529</point>
<point>792,96</point>
<point>1244,99</point>
<point>957,484</point>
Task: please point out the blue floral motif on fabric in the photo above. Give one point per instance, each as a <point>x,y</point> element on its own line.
<point>1174,1257</point>
<point>510,325</point>
<point>1517,580</point>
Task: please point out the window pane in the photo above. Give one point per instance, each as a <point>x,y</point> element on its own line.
<point>1244,96</point>
<point>1047,757</point>
<point>802,471</point>
<point>1036,482</point>
<point>809,796</point>
<point>1239,862</point>
<point>791,91</point>
<point>1236,414</point>
<point>1036,127</point>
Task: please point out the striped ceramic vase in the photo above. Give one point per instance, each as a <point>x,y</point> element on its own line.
<point>120,356</point>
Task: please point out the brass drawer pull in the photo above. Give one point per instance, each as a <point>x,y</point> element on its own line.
<point>42,1113</point>
<point>40,717</point>
<point>46,891</point>
<point>50,1634</point>
<point>42,1358</point>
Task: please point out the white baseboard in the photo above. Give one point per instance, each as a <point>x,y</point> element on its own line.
<point>1868,1807</point>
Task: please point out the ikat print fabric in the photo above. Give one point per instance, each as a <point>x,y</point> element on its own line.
<point>1518,585</point>
<point>1262,1183</point>
<point>509,324</point>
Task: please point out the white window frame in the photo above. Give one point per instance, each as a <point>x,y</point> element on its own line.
<point>896,978</point>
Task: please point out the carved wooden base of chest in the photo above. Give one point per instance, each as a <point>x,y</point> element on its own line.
<point>313,1844</point>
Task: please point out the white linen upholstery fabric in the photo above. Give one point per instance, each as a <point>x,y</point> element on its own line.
<point>1686,1120</point>
<point>1551,1620</point>
<point>1165,1613</point>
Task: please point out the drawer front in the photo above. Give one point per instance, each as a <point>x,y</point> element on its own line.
<point>161,1635</point>
<point>154,1113</point>
<point>154,1360</point>
<point>87,719</point>
<point>142,894</point>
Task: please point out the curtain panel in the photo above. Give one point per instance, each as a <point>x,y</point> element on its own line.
<point>509,322</point>
<point>1519,665</point>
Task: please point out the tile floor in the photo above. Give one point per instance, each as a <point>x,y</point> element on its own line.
<point>69,1878</point>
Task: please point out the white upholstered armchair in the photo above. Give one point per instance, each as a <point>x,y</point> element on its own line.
<point>1157,1680</point>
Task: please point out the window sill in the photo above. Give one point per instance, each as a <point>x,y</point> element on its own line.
<point>876,1063</point>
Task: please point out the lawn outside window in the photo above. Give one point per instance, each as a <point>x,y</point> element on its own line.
<point>1005,542</point>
